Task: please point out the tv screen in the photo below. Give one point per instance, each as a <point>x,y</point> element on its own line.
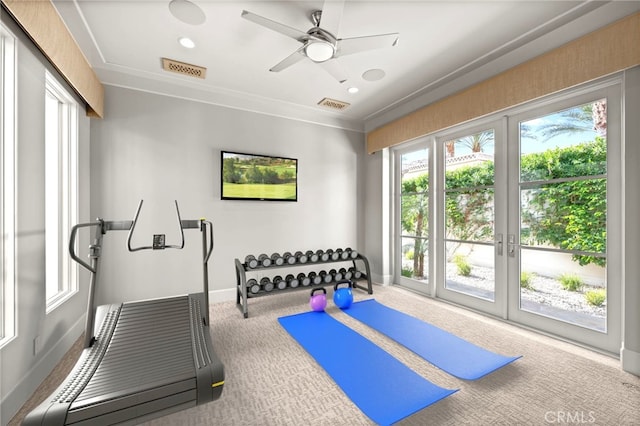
<point>258,177</point>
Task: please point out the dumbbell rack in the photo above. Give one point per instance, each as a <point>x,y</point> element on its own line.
<point>243,295</point>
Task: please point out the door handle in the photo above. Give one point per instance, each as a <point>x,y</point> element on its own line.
<point>511,250</point>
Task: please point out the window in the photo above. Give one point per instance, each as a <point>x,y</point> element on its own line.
<point>61,171</point>
<point>414,214</point>
<point>519,208</point>
<point>563,213</point>
<point>7,185</point>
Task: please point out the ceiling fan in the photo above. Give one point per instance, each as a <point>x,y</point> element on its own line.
<point>320,43</point>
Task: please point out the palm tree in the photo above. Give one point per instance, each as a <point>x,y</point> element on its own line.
<point>586,118</point>
<point>599,116</point>
<point>414,217</point>
<point>475,142</point>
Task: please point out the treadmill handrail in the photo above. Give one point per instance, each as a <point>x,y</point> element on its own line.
<point>210,250</point>
<point>95,249</point>
<point>135,221</point>
<point>72,243</point>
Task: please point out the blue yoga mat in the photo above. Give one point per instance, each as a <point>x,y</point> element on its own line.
<point>446,351</point>
<point>381,386</point>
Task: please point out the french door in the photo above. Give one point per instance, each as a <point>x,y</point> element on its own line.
<point>564,205</point>
<point>518,216</point>
<point>471,194</point>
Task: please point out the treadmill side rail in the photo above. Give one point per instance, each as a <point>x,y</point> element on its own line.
<point>209,368</point>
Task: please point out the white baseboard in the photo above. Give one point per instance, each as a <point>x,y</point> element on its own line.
<point>381,279</point>
<point>16,397</point>
<point>630,361</point>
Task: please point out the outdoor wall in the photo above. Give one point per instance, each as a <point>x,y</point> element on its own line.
<point>21,368</point>
<point>160,148</point>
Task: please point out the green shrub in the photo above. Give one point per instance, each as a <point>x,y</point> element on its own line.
<point>525,279</point>
<point>407,272</point>
<point>596,297</point>
<point>409,255</point>
<point>571,282</point>
<point>464,268</point>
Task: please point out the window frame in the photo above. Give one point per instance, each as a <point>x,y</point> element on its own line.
<point>8,85</point>
<point>65,184</point>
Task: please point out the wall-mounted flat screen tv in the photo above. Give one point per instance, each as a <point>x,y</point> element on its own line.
<point>258,177</point>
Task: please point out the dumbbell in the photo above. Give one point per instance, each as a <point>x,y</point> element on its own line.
<point>346,273</point>
<point>333,255</point>
<point>315,278</point>
<point>253,286</point>
<point>264,260</point>
<point>292,281</point>
<point>266,284</point>
<point>301,257</point>
<point>337,275</point>
<point>353,254</point>
<point>276,259</point>
<point>326,277</point>
<point>313,257</point>
<point>344,254</point>
<point>289,258</point>
<point>355,274</point>
<point>279,282</point>
<point>322,255</point>
<point>251,261</point>
<point>303,279</point>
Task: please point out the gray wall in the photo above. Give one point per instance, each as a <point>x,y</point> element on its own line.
<point>160,148</point>
<point>22,370</point>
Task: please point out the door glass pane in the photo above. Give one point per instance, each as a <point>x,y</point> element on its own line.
<point>414,214</point>
<point>469,215</point>
<point>563,221</point>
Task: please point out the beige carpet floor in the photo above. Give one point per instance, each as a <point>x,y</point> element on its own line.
<point>271,380</point>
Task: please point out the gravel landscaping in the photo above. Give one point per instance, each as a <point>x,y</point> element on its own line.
<point>543,290</point>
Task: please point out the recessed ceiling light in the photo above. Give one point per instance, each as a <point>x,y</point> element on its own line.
<point>353,90</point>
<point>186,42</point>
<point>373,74</point>
<point>187,12</point>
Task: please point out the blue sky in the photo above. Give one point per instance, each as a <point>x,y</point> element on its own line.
<point>528,145</point>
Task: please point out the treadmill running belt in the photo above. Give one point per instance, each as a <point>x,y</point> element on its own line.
<point>150,347</point>
<point>158,360</point>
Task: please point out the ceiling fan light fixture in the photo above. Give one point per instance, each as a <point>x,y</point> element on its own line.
<point>319,51</point>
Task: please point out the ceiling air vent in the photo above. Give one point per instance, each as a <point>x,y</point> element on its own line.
<point>333,104</point>
<point>183,68</point>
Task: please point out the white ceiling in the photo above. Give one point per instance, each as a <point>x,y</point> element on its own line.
<point>439,41</point>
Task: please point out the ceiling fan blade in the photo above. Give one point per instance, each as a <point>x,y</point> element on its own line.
<point>295,57</point>
<point>348,46</point>
<point>331,16</point>
<point>334,68</point>
<point>275,26</point>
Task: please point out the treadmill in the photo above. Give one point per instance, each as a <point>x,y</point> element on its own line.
<point>141,360</point>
